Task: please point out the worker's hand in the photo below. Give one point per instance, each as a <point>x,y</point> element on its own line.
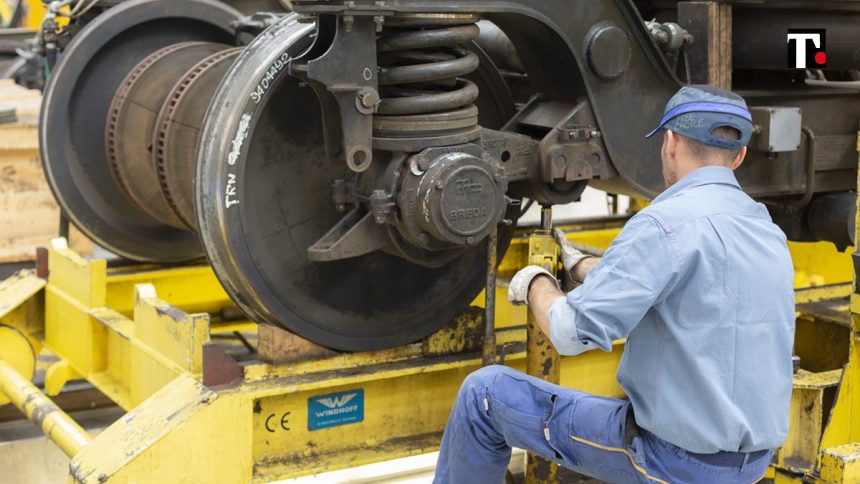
<point>518,290</point>
<point>570,255</point>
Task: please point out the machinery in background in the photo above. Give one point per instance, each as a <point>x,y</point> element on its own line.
<point>34,31</point>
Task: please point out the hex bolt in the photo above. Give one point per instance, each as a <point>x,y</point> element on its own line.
<point>103,477</point>
<point>205,399</point>
<point>439,185</point>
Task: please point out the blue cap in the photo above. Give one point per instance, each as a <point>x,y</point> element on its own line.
<point>696,110</point>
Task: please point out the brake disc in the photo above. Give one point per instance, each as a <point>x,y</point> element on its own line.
<point>132,117</point>
<point>263,195</point>
<point>74,116</point>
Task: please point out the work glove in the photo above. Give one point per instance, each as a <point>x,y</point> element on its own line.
<point>570,255</point>
<point>518,290</point>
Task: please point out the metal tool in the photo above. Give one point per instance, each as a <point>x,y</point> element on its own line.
<point>542,359</point>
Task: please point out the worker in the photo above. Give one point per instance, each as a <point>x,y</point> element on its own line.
<point>701,284</point>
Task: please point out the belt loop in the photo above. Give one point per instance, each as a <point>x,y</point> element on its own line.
<point>746,459</point>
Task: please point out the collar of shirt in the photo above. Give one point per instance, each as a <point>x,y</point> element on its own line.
<point>706,175</point>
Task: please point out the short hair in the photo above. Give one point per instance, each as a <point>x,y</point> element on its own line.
<point>715,155</point>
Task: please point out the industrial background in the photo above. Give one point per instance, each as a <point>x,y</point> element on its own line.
<point>219,219</point>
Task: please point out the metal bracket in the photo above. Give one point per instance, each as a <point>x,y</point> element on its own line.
<point>355,234</point>
<point>574,149</point>
<point>345,80</point>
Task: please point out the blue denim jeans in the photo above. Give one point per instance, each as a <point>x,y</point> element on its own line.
<point>498,408</point>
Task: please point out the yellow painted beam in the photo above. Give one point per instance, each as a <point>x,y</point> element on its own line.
<point>841,464</point>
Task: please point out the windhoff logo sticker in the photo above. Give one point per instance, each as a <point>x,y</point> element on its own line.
<point>335,409</point>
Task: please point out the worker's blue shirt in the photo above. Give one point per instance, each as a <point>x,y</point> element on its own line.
<point>701,284</point>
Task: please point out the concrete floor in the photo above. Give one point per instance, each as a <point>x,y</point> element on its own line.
<point>27,457</point>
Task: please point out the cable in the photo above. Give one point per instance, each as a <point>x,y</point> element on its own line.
<point>77,13</point>
<point>526,207</point>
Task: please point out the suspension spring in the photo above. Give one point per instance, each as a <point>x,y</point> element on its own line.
<point>425,101</point>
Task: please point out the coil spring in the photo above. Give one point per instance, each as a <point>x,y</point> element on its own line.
<point>422,62</point>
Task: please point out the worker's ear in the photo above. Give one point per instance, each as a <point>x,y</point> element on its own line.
<point>738,161</point>
<point>670,144</point>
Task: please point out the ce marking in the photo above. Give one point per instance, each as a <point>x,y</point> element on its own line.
<point>272,421</point>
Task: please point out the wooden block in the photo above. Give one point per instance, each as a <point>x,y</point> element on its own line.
<point>277,346</point>
<point>710,55</point>
<point>29,215</point>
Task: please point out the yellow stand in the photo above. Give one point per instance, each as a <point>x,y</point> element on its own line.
<point>195,414</point>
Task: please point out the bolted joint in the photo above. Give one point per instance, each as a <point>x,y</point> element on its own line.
<point>382,206</point>
<point>306,18</point>
<point>579,133</point>
<point>366,100</point>
<point>343,195</point>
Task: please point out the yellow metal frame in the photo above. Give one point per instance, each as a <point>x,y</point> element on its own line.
<point>112,327</point>
<point>824,440</point>
<point>138,334</point>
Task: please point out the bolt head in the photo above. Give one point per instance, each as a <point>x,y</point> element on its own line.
<point>470,240</point>
<point>424,238</point>
<point>368,98</point>
<point>439,185</point>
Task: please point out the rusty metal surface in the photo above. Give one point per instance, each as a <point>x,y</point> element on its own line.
<point>219,368</point>
<point>133,118</point>
<point>177,131</point>
<point>488,353</point>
